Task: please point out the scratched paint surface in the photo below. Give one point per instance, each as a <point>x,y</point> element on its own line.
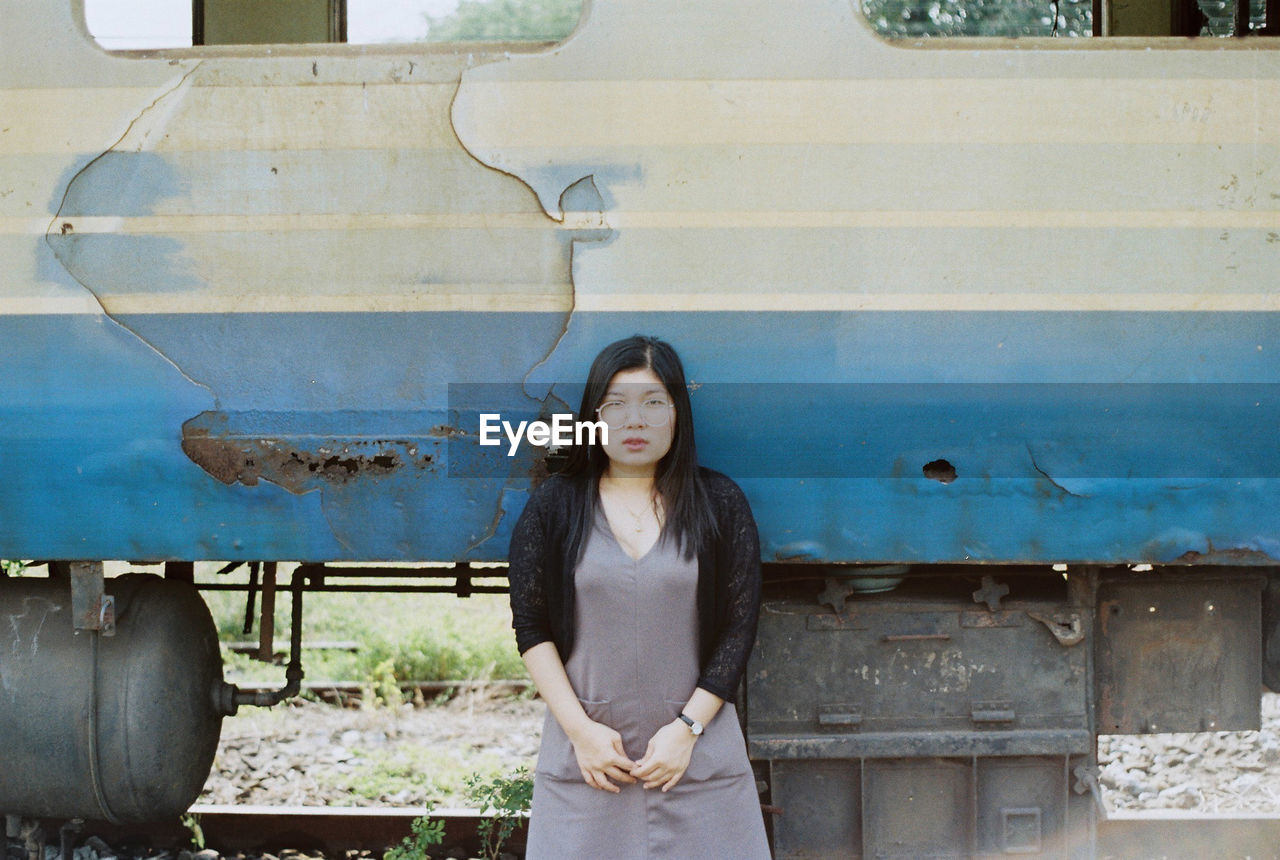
<point>240,286</point>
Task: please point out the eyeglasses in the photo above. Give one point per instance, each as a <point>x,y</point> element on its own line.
<point>654,412</point>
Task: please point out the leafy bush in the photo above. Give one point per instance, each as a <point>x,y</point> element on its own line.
<point>414,846</point>
<point>508,798</point>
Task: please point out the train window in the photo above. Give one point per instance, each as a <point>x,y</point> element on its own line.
<point>152,24</point>
<point>913,19</point>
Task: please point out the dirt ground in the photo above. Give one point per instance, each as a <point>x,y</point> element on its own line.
<point>310,754</point>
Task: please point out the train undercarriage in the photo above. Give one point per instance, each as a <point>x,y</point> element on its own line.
<point>891,711</point>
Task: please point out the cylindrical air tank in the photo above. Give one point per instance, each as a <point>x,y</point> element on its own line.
<point>122,728</point>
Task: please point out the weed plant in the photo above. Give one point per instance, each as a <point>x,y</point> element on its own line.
<point>425,833</point>
<point>508,799</point>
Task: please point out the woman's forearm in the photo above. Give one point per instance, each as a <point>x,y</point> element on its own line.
<point>703,706</point>
<point>547,671</point>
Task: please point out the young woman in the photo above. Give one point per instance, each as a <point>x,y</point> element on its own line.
<point>635,587</point>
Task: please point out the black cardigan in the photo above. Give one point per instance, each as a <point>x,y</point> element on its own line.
<point>541,578</point>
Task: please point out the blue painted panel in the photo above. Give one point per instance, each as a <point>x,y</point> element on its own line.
<point>902,346</point>
<point>1031,519</point>
<point>1100,437</point>
<point>90,427</point>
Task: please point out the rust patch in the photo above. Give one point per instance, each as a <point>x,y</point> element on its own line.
<point>1227,556</point>
<point>249,459</point>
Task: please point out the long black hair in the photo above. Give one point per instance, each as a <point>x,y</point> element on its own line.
<point>676,479</point>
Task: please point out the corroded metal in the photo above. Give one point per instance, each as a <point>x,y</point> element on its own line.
<point>1271,632</point>
<point>913,664</point>
<point>248,458</point>
<point>931,807</point>
<point>1179,651</point>
<point>91,607</point>
<point>913,724</point>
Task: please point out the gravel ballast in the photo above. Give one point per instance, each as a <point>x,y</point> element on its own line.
<point>311,754</point>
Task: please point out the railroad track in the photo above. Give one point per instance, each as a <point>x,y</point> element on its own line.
<point>1162,835</point>
<point>331,831</point>
<point>347,692</point>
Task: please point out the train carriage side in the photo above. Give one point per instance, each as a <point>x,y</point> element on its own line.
<point>991,318</point>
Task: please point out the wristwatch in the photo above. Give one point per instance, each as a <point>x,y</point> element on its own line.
<point>695,727</point>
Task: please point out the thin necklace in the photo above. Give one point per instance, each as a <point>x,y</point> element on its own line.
<point>638,518</point>
<point>639,526</point>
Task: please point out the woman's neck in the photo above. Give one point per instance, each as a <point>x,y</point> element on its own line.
<point>629,482</point>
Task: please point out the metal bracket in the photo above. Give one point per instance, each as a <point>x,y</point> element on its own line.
<point>91,607</point>
<point>267,620</point>
<point>1066,627</point>
<point>990,593</point>
<point>834,595</point>
<point>1087,783</point>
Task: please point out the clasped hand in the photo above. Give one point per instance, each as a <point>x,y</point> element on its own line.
<point>666,757</point>
<point>601,757</point>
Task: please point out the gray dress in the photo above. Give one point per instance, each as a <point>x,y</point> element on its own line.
<point>634,666</point>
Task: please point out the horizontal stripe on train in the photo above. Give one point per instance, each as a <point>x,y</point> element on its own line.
<point>494,116</point>
<point>460,300</point>
<point>691,268</point>
<point>340,360</point>
<point>1206,180</point>
<point>679,220</point>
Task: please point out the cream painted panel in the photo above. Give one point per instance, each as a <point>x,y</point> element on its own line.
<point>499,115</point>
<point>335,117</point>
<point>769,183</point>
<point>338,116</point>
<point>73,121</point>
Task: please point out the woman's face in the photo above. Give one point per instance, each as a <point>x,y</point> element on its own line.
<point>641,419</point>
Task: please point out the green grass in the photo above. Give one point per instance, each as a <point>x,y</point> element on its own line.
<point>417,637</point>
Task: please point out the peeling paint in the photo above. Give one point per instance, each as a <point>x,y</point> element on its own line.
<point>141,133</point>
<point>581,197</point>
<point>247,459</point>
<point>582,206</point>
